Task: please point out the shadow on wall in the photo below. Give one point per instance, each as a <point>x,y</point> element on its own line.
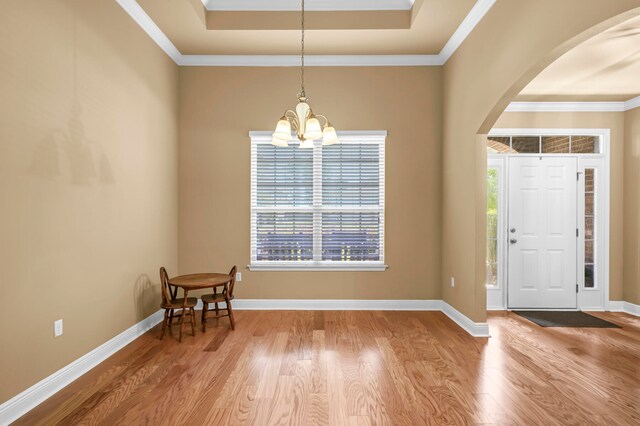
<point>146,297</point>
<point>85,158</point>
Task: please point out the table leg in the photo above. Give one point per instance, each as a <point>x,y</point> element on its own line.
<point>184,313</point>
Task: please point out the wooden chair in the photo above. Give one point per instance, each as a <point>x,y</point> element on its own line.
<point>225,297</point>
<point>170,303</point>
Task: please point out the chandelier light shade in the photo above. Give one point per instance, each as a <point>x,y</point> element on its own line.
<point>303,121</point>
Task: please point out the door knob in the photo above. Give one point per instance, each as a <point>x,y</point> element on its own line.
<point>513,230</point>
<point>513,241</point>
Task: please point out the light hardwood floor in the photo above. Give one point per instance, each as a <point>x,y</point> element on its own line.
<point>361,368</point>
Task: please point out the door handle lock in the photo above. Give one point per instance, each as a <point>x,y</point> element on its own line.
<point>513,230</point>
<point>513,241</point>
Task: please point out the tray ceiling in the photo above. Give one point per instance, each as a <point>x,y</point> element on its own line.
<point>605,67</point>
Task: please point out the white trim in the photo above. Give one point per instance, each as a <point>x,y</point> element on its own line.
<point>310,60</point>
<point>574,106</point>
<point>25,401</point>
<point>317,266</point>
<point>475,15</point>
<point>312,5</point>
<point>477,12</point>
<point>335,305</point>
<point>632,103</point>
<point>496,295</point>
<point>626,307</point>
<point>316,209</point>
<point>603,240</point>
<point>631,308</point>
<point>476,329</point>
<point>138,14</point>
<point>616,306</point>
<point>344,135</point>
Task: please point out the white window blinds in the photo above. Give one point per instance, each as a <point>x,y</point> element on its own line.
<point>320,208</point>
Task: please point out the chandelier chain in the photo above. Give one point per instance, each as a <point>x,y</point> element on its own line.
<point>302,93</point>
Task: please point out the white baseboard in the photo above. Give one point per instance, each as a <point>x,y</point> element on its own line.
<point>631,308</point>
<point>25,401</point>
<point>336,305</point>
<point>615,306</point>
<point>22,403</point>
<point>476,329</point>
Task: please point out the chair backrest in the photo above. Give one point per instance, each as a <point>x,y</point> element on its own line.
<point>164,285</point>
<point>232,283</point>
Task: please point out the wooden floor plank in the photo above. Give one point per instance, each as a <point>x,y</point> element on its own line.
<point>362,368</point>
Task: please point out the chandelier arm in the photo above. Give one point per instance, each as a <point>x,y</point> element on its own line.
<point>326,120</point>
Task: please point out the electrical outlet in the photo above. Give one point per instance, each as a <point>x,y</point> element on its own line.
<point>238,276</point>
<point>57,328</point>
<point>453,282</point>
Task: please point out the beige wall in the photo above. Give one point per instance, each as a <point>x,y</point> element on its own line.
<point>219,106</point>
<point>482,77</point>
<point>632,207</point>
<point>88,177</point>
<point>590,120</point>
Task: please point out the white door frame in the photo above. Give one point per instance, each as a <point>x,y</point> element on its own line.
<point>588,299</point>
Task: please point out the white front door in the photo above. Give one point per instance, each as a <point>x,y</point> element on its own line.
<point>542,232</point>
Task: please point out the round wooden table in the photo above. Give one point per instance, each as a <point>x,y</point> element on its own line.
<point>198,282</point>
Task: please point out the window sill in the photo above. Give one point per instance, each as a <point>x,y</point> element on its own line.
<point>318,266</point>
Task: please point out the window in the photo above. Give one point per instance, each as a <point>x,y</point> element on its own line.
<point>589,227</point>
<point>586,144</point>
<point>320,208</point>
<point>492,226</point>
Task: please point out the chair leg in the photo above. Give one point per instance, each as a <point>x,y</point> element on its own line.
<point>230,311</point>
<point>164,323</point>
<point>184,313</point>
<point>170,316</point>
<point>217,309</point>
<point>193,321</point>
<point>204,316</point>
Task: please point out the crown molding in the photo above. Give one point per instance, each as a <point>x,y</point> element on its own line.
<point>311,6</point>
<point>138,14</point>
<point>574,106</point>
<point>477,12</point>
<point>632,103</point>
<point>309,60</point>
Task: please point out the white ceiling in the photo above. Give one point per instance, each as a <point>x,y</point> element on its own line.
<point>310,5</point>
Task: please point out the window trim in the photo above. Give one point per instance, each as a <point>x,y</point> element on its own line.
<point>373,137</point>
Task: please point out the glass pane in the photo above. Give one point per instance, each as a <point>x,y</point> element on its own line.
<point>589,279</point>
<point>589,182</point>
<point>350,236</point>
<point>589,227</point>
<point>589,204</point>
<point>284,236</point>
<point>492,273</point>
<point>284,176</point>
<point>526,144</point>
<point>588,251</point>
<point>492,227</point>
<point>585,144</point>
<point>351,174</point>
<point>555,144</point>
<point>498,145</point>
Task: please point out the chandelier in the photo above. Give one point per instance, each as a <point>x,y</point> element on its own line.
<point>303,120</point>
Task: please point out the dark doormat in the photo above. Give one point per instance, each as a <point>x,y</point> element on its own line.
<point>565,319</point>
